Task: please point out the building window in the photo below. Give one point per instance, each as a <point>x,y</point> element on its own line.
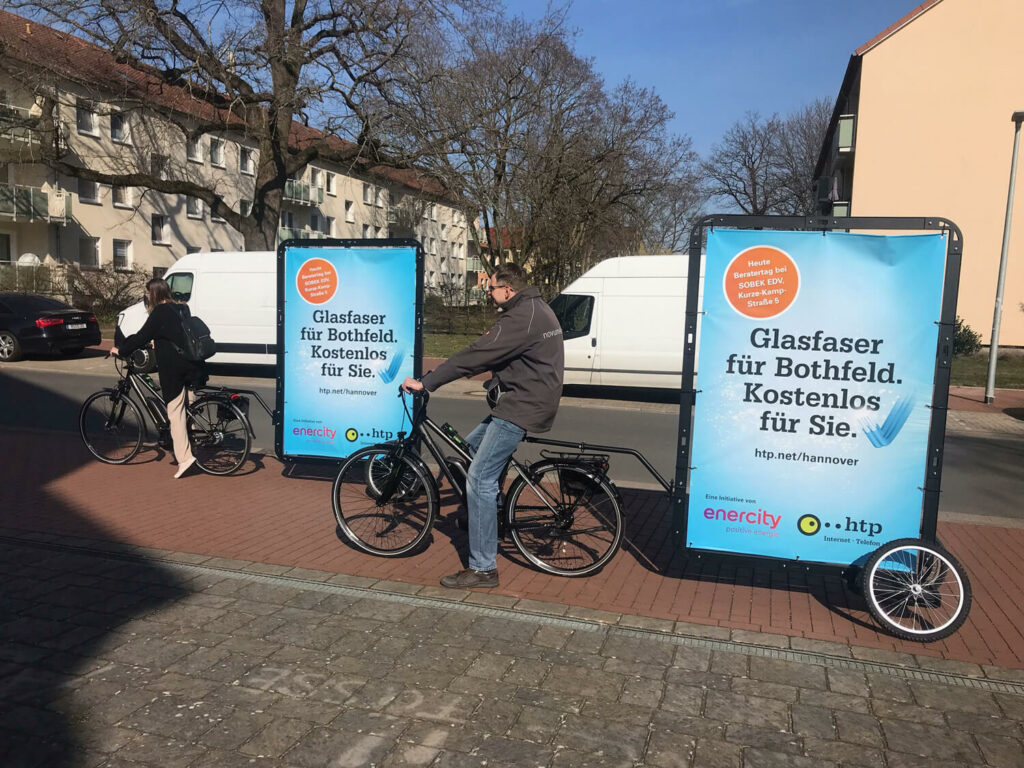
<point>329,226</point>
<point>367,194</point>
<point>379,198</point>
<point>287,219</point>
<point>433,211</point>
<point>216,216</point>
<point>245,207</point>
<point>191,249</point>
<point>382,232</point>
<point>443,228</point>
<point>121,197</point>
<point>245,163</point>
<point>350,215</point>
<point>366,230</point>
<point>160,229</point>
<point>158,165</point>
<point>193,207</point>
<point>314,221</point>
<point>89,251</point>
<point>330,185</point>
<point>122,254</point>
<point>88,191</point>
<point>216,152</point>
<point>85,117</point>
<point>119,128</point>
<point>194,150</point>
<point>315,177</point>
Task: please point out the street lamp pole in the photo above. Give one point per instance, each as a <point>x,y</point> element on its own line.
<point>993,349</point>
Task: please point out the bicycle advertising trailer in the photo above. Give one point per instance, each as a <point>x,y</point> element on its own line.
<point>350,316</point>
<point>813,404</point>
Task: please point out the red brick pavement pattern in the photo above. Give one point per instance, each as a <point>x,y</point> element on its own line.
<point>49,483</point>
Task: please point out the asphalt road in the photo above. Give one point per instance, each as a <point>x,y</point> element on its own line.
<point>983,474</point>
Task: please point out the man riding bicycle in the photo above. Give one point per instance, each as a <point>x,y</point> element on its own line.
<point>523,351</point>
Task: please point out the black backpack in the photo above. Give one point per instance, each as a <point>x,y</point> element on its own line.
<point>199,344</point>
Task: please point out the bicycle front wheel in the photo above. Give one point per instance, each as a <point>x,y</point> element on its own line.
<point>916,590</point>
<point>111,427</point>
<point>567,520</point>
<point>383,503</point>
<point>219,434</point>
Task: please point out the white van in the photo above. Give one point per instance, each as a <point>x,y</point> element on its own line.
<point>623,322</point>
<point>235,293</point>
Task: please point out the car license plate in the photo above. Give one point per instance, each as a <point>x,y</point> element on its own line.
<point>76,326</point>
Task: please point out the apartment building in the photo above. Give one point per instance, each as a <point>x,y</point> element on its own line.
<point>922,127</point>
<point>65,220</point>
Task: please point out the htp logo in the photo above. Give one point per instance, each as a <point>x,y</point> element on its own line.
<point>811,525</point>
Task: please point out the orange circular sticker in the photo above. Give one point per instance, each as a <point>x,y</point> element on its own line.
<point>317,281</point>
<point>761,282</point>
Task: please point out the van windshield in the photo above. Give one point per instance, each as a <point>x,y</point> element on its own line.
<point>574,313</point>
<point>180,284</point>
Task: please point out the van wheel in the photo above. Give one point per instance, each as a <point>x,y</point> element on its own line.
<point>144,359</point>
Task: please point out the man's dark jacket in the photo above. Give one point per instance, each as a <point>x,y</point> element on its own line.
<point>524,352</point>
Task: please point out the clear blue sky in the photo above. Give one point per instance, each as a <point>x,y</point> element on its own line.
<point>712,60</point>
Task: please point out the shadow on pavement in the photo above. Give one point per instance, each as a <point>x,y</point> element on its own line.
<point>64,614</point>
<point>650,541</point>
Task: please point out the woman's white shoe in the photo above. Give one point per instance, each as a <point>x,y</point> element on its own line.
<point>184,468</point>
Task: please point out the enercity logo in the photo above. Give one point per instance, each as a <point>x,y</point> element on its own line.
<point>314,432</point>
<point>761,522</point>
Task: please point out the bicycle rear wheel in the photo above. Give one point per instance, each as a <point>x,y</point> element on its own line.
<point>111,427</point>
<point>569,522</point>
<point>219,434</point>
<point>384,504</point>
<point>916,590</point>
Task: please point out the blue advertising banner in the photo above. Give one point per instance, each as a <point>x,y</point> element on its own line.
<point>816,365</point>
<point>349,339</point>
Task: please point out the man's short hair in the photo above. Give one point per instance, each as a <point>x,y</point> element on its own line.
<point>511,275</point>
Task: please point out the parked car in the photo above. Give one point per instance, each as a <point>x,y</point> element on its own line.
<point>40,324</point>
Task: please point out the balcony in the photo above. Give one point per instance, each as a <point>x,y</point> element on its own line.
<point>300,192</point>
<point>292,233</point>
<point>32,204</point>
<point>844,134</point>
<point>18,124</point>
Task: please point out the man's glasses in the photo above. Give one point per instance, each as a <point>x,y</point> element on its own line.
<point>493,288</point>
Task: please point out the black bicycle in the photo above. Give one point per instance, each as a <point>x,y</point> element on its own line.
<point>113,425</point>
<point>562,513</point>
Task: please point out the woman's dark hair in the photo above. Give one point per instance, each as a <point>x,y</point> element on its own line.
<point>158,291</point>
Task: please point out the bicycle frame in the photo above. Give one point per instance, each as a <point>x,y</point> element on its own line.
<point>425,429</point>
<point>153,404</point>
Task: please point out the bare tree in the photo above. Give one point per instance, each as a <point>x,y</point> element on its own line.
<point>526,134</point>
<point>744,166</point>
<point>766,165</point>
<point>799,146</point>
<point>261,69</point>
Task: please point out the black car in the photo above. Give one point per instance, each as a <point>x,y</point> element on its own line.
<point>39,324</point>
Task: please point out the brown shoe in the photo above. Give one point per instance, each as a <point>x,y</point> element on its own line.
<point>471,579</point>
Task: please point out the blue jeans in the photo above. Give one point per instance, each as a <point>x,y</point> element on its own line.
<point>491,443</point>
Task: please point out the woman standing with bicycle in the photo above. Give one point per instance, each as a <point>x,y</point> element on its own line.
<point>163,327</point>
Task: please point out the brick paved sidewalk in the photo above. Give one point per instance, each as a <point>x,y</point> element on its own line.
<point>265,517</point>
<point>114,662</point>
